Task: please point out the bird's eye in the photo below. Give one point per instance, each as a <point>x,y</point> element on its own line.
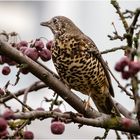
<point>55,20</point>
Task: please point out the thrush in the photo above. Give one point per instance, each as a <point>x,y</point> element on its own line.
<point>79,63</point>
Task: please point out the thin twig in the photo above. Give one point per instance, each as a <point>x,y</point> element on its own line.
<point>117,7</point>
<point>104,136</point>
<point>35,86</point>
<point>114,49</point>
<point>29,108</point>
<point>118,136</point>
<point>53,102</point>
<point>21,127</point>
<point>25,97</point>
<point>116,35</point>
<point>119,85</point>
<point>17,78</point>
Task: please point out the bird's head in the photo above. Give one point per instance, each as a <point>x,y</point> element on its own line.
<point>60,25</point>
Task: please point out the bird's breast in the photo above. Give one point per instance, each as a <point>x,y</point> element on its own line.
<point>76,67</point>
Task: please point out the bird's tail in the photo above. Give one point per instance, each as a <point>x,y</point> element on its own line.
<point>105,104</point>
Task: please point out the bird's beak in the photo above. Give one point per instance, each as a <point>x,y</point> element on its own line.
<point>45,24</point>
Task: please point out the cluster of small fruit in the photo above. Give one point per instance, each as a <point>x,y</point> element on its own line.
<point>7,115</point>
<point>34,50</point>
<point>127,67</point>
<point>57,126</point>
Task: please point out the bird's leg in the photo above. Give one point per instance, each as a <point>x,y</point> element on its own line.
<point>87,103</point>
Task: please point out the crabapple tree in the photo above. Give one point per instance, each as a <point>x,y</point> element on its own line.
<point>30,56</point>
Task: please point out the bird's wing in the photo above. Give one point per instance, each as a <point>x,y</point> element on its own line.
<point>95,52</point>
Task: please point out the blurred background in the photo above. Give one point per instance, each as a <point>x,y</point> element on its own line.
<point>94,18</point>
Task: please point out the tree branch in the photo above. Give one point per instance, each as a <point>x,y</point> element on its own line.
<point>132,26</point>
<point>123,110</point>
<point>34,87</point>
<point>104,121</point>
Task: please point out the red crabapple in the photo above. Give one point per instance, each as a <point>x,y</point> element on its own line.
<point>39,45</point>
<point>21,44</point>
<point>28,135</point>
<point>56,110</point>
<point>24,70</point>
<point>1,92</point>
<point>8,114</point>
<point>45,54</point>
<point>134,67</point>
<point>40,109</point>
<point>49,45</point>
<point>57,127</point>
<point>3,124</point>
<point>121,64</point>
<point>7,60</point>
<point>22,49</point>
<point>6,70</point>
<point>3,134</point>
<point>32,53</point>
<point>126,75</point>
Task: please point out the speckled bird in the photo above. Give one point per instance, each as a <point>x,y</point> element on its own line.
<point>79,63</point>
